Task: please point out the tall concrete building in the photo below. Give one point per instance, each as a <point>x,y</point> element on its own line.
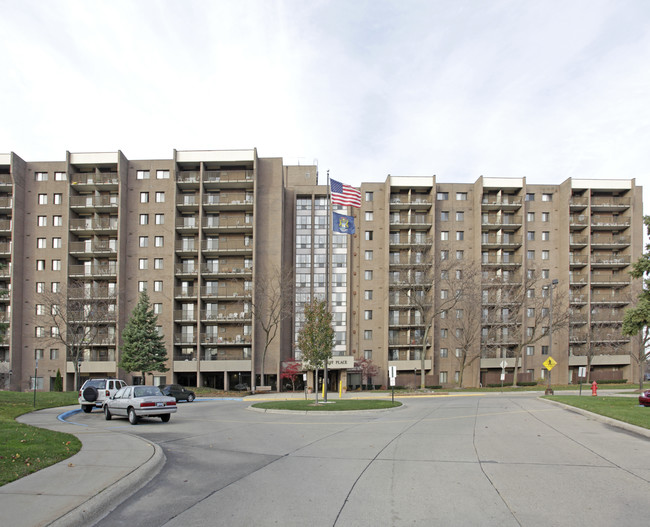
<point>508,274</point>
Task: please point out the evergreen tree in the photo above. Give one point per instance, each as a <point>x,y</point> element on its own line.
<point>144,348</point>
<point>316,338</point>
<point>58,381</point>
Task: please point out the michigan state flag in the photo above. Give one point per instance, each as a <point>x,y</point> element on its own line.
<point>342,223</point>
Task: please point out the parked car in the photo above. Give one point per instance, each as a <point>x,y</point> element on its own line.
<point>135,402</point>
<point>644,398</point>
<point>177,392</point>
<point>94,392</point>
<point>242,387</point>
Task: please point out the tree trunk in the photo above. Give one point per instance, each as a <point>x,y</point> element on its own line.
<point>423,357</point>
<point>316,385</point>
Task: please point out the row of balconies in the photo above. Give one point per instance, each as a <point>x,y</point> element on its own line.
<point>208,338</point>
<point>228,292</point>
<point>211,316</point>
<point>215,353</point>
<point>223,177</point>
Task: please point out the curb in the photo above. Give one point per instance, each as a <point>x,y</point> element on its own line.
<point>93,510</point>
<point>603,419</point>
<point>337,413</point>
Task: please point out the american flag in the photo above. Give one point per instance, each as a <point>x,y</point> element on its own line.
<point>345,194</point>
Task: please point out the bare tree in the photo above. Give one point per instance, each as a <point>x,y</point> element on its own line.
<point>427,287</point>
<point>466,319</point>
<point>518,314</point>
<point>271,305</point>
<point>80,314</point>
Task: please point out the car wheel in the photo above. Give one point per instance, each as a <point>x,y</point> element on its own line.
<point>87,408</point>
<point>133,418</point>
<point>190,398</point>
<point>107,413</point>
<point>165,417</point>
<point>90,394</point>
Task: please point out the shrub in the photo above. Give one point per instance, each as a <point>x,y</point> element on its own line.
<point>612,381</point>
<point>58,382</point>
<point>526,383</point>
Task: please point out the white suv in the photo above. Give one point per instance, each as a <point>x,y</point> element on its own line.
<point>94,392</point>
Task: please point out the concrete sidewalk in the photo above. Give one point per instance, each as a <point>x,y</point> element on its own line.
<point>80,490</point>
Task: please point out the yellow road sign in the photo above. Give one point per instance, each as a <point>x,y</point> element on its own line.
<point>549,363</point>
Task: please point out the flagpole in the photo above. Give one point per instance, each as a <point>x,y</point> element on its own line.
<point>328,271</point>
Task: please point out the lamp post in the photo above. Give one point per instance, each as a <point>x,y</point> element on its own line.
<point>549,390</point>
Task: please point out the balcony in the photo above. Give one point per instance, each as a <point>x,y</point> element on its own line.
<point>91,203</point>
<point>6,203</point>
<point>497,241</point>
<point>495,260</point>
<point>578,241</point>
<point>184,316</point>
<point>577,299</point>
<point>229,292</point>
<point>226,271</point>
<point>578,260</point>
<point>410,221</point>
<point>227,353</point>
<point>185,270</point>
<point>213,179</point>
<point>228,340</point>
<point>578,203</point>
<point>228,224</point>
<point>188,179</point>
<point>5,226</point>
<point>608,316</point>
<point>609,223</point>
<point>610,242</point>
<point>601,278</point>
<point>610,261</point>
<point>221,202</point>
<point>93,247</point>
<point>577,279</point>
<point>613,298</point>
<point>5,182</point>
<point>94,225</point>
<point>493,202</point>
<point>108,270</point>
<point>610,203</point>
<point>577,222</point>
<point>233,247</point>
<point>405,202</point>
<point>185,339</point>
<point>405,242</point>
<point>187,224</point>
<point>185,292</point>
<point>403,340</point>
<point>89,181</point>
<point>187,202</point>
<point>187,246</point>
<point>501,221</point>
<point>235,317</point>
<point>577,337</point>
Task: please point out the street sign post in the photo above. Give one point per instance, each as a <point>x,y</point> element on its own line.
<point>582,373</point>
<point>549,364</point>
<point>503,365</point>
<point>392,374</point>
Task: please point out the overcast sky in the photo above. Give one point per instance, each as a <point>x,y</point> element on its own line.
<point>544,89</point>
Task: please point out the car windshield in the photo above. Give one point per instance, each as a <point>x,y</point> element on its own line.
<point>145,391</point>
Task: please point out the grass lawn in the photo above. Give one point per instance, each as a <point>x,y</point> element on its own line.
<point>331,406</point>
<point>25,449</point>
<point>626,409</point>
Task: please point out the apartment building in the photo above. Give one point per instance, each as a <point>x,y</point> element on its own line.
<point>206,232</point>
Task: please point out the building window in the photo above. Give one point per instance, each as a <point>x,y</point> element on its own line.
<point>369,196</point>
<point>530,236</point>
<point>460,236</point>
<point>530,217</point>
<point>544,350</point>
<point>40,309</point>
<point>57,221</point>
<point>546,217</point>
<point>369,235</point>
<point>57,243</point>
<point>42,199</point>
<point>546,255</point>
<point>160,219</point>
<point>144,241</point>
<point>143,263</point>
<point>55,287</point>
<point>460,255</point>
<point>142,174</point>
<point>442,196</point>
<point>144,219</point>
<point>367,334</point>
<point>144,197</point>
<point>157,309</point>
<point>157,263</point>
<point>56,265</point>
<point>461,196</point>
<point>444,236</point>
<point>142,286</point>
<point>54,354</point>
<point>41,243</point>
<point>160,197</point>
<point>546,236</point>
<point>40,286</point>
<point>546,274</point>
<point>443,377</point>
<point>367,314</point>
<point>547,197</point>
<point>460,216</point>
<point>530,196</point>
<point>530,350</point>
<point>444,294</point>
<point>40,176</point>
<point>369,215</point>
<point>444,255</point>
<point>443,333</point>
<point>157,286</point>
<point>39,331</point>
<point>159,241</point>
<point>368,255</point>
<point>42,221</point>
<point>444,353</point>
<point>58,198</point>
<point>530,255</point>
<point>162,174</point>
<point>444,215</point>
<point>368,275</point>
<point>40,265</point>
<point>367,294</point>
<point>367,354</point>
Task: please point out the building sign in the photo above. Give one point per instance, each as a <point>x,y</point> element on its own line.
<point>345,362</point>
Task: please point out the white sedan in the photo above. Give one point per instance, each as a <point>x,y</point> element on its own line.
<point>135,402</point>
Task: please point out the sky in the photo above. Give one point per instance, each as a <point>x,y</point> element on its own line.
<point>457,88</point>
